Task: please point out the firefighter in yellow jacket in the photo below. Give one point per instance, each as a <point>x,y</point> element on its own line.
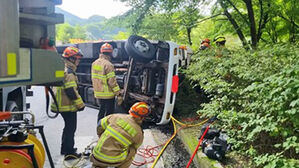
<point>104,82</point>
<point>221,50</point>
<point>69,101</point>
<point>120,135</point>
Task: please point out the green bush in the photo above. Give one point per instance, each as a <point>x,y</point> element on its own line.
<point>256,97</point>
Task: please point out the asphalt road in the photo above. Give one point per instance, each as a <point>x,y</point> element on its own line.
<point>85,134</point>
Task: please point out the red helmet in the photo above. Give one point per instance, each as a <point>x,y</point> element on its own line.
<point>139,110</point>
<point>205,41</point>
<point>106,48</point>
<point>72,52</point>
<point>204,46</point>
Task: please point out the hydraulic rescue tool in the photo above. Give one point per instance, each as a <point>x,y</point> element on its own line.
<point>19,146</point>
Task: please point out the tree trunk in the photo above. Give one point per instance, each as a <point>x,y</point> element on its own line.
<point>263,20</point>
<point>252,23</point>
<point>235,24</point>
<point>189,35</point>
<point>237,10</point>
<point>292,31</point>
<point>273,34</point>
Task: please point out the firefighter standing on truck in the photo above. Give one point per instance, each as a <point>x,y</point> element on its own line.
<point>69,101</point>
<point>104,82</point>
<point>120,135</point>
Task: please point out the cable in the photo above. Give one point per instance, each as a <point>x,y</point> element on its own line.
<point>148,154</point>
<point>81,160</point>
<point>174,134</point>
<point>47,90</point>
<point>189,125</point>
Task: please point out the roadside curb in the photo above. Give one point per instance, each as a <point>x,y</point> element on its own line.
<point>200,159</point>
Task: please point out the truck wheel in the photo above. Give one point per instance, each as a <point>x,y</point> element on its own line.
<point>116,53</point>
<point>140,48</point>
<point>13,106</point>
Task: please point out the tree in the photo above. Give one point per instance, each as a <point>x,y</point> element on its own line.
<point>94,31</point>
<point>79,32</point>
<point>121,36</point>
<point>64,32</point>
<point>184,17</point>
<point>269,21</point>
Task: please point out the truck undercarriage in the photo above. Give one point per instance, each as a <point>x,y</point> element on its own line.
<point>144,71</point>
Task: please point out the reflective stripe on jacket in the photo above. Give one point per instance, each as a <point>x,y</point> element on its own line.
<point>65,104</point>
<point>120,136</point>
<point>103,79</point>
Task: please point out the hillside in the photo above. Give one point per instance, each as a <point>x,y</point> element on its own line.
<point>95,26</point>
<point>74,20</point>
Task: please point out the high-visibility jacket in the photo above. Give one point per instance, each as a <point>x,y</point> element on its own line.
<point>67,96</point>
<point>222,51</point>
<point>120,135</point>
<point>103,78</point>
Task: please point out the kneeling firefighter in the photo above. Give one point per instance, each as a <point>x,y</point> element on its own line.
<point>120,135</point>
<point>68,100</point>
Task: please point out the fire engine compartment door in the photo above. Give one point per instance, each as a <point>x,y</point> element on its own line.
<point>23,64</point>
<point>37,66</point>
<point>9,35</point>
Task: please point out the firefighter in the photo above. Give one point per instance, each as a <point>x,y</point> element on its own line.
<point>120,135</point>
<point>69,101</point>
<point>104,82</point>
<point>221,49</point>
<point>47,44</point>
<point>205,44</point>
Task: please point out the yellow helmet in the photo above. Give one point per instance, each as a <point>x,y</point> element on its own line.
<point>220,39</point>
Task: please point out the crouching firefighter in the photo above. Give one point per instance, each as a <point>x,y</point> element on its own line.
<point>68,100</point>
<point>120,135</point>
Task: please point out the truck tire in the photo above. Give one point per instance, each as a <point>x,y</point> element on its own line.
<point>13,106</point>
<point>140,48</point>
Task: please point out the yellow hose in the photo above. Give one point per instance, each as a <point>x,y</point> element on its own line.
<point>174,134</point>
<point>76,163</point>
<point>164,147</point>
<point>189,125</point>
<point>80,161</point>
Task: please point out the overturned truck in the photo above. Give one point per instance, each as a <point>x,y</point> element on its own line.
<point>145,71</point>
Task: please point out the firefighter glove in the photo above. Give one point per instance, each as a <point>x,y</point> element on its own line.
<point>81,109</point>
<point>119,100</point>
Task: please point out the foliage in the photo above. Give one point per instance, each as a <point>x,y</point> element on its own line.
<point>252,21</point>
<point>121,36</point>
<point>188,98</point>
<point>159,27</point>
<point>271,21</point>
<point>255,95</point>
<point>79,32</point>
<point>65,32</point>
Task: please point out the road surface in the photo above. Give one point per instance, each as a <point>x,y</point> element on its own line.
<point>85,134</point>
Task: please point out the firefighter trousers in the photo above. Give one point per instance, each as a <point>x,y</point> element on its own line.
<point>68,134</point>
<point>106,107</point>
